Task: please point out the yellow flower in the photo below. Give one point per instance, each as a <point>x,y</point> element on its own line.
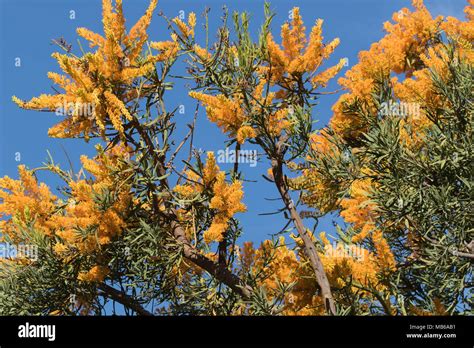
<point>60,248</point>
<point>24,201</point>
<point>277,122</point>
<point>245,132</point>
<point>359,210</point>
<point>215,232</point>
<point>186,191</point>
<point>202,53</point>
<point>385,259</point>
<point>93,94</point>
<point>402,51</point>
<point>192,22</point>
<point>227,202</point>
<point>82,211</point>
<point>95,274</point>
<point>196,184</point>
<point>168,49</point>
<point>299,56</point>
<point>321,79</point>
<point>210,170</point>
<point>186,29</point>
<point>226,113</point>
<point>318,191</point>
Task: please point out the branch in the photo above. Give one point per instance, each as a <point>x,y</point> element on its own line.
<point>220,272</point>
<point>309,248</point>
<point>459,253</point>
<point>189,134</point>
<point>124,299</point>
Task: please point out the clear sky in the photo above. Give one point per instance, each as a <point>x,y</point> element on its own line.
<point>28,26</point>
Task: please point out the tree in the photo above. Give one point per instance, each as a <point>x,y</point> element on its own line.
<point>396,160</point>
<point>137,228</point>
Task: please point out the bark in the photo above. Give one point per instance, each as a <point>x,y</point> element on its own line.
<point>309,248</point>
<point>220,272</point>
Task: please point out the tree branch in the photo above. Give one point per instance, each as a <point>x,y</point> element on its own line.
<point>309,248</point>
<point>124,299</point>
<point>220,272</point>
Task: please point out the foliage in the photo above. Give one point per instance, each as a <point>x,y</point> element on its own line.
<point>134,227</point>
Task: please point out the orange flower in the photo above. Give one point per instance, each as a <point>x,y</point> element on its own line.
<point>23,202</point>
<point>186,29</point>
<point>95,274</point>
<point>225,112</point>
<point>359,210</point>
<point>227,202</point>
<point>385,259</point>
<point>96,80</point>
<point>403,50</point>
<point>245,132</point>
<point>297,56</point>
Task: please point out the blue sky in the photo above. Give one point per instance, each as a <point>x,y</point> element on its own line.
<point>28,26</point>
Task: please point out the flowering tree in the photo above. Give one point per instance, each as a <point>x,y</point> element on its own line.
<point>396,162</point>
<point>135,227</point>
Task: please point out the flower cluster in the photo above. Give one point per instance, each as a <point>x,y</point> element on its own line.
<point>83,211</point>
<point>103,79</point>
<point>412,50</point>
<point>297,56</point>
<point>249,112</point>
<point>78,225</point>
<point>95,274</point>
<point>318,191</point>
<point>403,50</point>
<point>226,199</point>
<point>25,203</point>
<point>226,202</point>
<point>278,264</point>
<point>226,113</point>
<point>77,228</point>
<point>186,29</point>
<point>359,210</point>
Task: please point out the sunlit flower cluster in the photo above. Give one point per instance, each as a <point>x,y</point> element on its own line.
<point>25,203</point>
<point>78,225</point>
<point>298,56</point>
<point>411,51</point>
<point>226,202</point>
<point>359,210</point>
<point>95,274</point>
<point>226,113</point>
<point>248,117</point>
<point>277,264</point>
<point>226,198</point>
<point>98,78</point>
<point>186,29</point>
<point>410,39</point>
<point>83,211</point>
